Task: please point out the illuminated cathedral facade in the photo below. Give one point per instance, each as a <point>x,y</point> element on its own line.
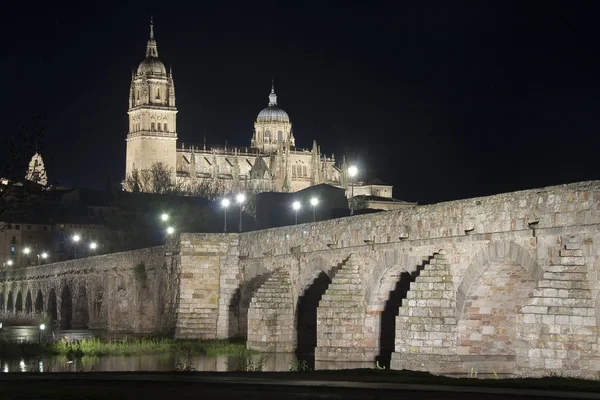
<point>270,162</point>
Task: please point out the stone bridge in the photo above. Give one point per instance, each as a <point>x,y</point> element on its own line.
<point>122,292</point>
<point>502,283</point>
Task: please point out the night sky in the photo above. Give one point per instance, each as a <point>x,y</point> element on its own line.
<point>444,100</point>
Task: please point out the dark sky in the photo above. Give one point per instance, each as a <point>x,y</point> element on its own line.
<point>444,100</point>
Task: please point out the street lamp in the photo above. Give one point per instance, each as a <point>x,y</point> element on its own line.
<point>240,198</point>
<point>76,239</point>
<point>9,263</point>
<point>225,203</point>
<point>164,217</point>
<point>296,206</point>
<point>168,232</point>
<point>42,327</point>
<point>352,172</point>
<point>93,246</point>
<point>26,251</point>
<point>314,202</point>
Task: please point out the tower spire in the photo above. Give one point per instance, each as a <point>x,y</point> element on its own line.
<point>151,48</point>
<point>272,96</point>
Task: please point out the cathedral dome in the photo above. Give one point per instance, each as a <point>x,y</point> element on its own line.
<point>152,66</point>
<point>272,113</point>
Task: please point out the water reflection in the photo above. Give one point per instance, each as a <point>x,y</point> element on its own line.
<point>161,362</point>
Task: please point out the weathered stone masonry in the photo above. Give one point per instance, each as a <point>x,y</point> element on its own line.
<point>126,292</point>
<point>505,283</point>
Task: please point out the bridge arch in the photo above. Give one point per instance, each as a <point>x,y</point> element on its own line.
<point>52,305</point>
<point>240,303</point>
<point>28,302</point>
<point>81,316</point>
<point>39,302</point>
<point>388,285</point>
<point>19,302</point>
<point>66,308</point>
<point>497,284</point>
<point>10,305</point>
<point>313,282</point>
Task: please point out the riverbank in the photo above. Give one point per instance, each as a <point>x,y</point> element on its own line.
<point>125,347</point>
<point>347,384</point>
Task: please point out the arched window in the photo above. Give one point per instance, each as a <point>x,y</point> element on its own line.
<point>157,94</point>
<point>267,136</point>
<point>280,136</point>
<point>304,170</point>
<point>159,127</point>
<point>293,171</point>
<point>165,127</point>
<point>152,126</point>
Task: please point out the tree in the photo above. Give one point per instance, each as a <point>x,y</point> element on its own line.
<point>157,179</point>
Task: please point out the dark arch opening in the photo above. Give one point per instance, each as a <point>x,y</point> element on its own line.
<point>306,318</point>
<point>19,303</point>
<point>9,302</point>
<point>240,302</point>
<point>2,303</point>
<point>52,307</point>
<point>81,318</point>
<point>387,333</point>
<point>28,302</point>
<point>66,308</point>
<point>39,302</point>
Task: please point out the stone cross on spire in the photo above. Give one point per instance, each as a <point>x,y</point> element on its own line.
<point>151,48</point>
<point>272,96</point>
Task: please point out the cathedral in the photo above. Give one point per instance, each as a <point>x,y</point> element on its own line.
<point>271,162</point>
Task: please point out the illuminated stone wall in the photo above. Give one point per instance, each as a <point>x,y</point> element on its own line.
<point>132,291</point>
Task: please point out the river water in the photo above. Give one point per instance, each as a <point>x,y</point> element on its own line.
<point>162,362</point>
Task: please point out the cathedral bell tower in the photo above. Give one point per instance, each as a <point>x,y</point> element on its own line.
<point>152,136</point>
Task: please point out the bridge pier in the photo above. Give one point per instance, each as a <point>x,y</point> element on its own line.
<point>271,326</point>
<point>426,327</point>
<point>341,331</point>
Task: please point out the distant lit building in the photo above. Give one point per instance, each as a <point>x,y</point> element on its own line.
<point>271,162</point>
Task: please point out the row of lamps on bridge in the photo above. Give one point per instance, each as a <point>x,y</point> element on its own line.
<point>43,256</point>
<point>240,198</point>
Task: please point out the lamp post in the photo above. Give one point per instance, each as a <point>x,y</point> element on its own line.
<point>93,246</point>
<point>225,203</point>
<point>164,217</point>
<point>44,256</point>
<point>296,206</point>
<point>240,198</point>
<point>26,251</point>
<point>42,327</point>
<point>76,239</point>
<point>352,172</point>
<point>314,202</point>
<point>170,230</point>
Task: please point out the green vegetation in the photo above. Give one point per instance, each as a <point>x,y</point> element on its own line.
<point>299,366</point>
<point>97,347</point>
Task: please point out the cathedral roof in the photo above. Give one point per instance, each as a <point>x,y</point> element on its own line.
<point>151,64</point>
<point>272,113</point>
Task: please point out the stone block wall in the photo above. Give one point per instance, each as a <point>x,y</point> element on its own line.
<point>341,331</point>
<point>426,326</point>
<point>271,315</point>
<point>209,276</point>
<point>558,328</point>
<point>110,291</point>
